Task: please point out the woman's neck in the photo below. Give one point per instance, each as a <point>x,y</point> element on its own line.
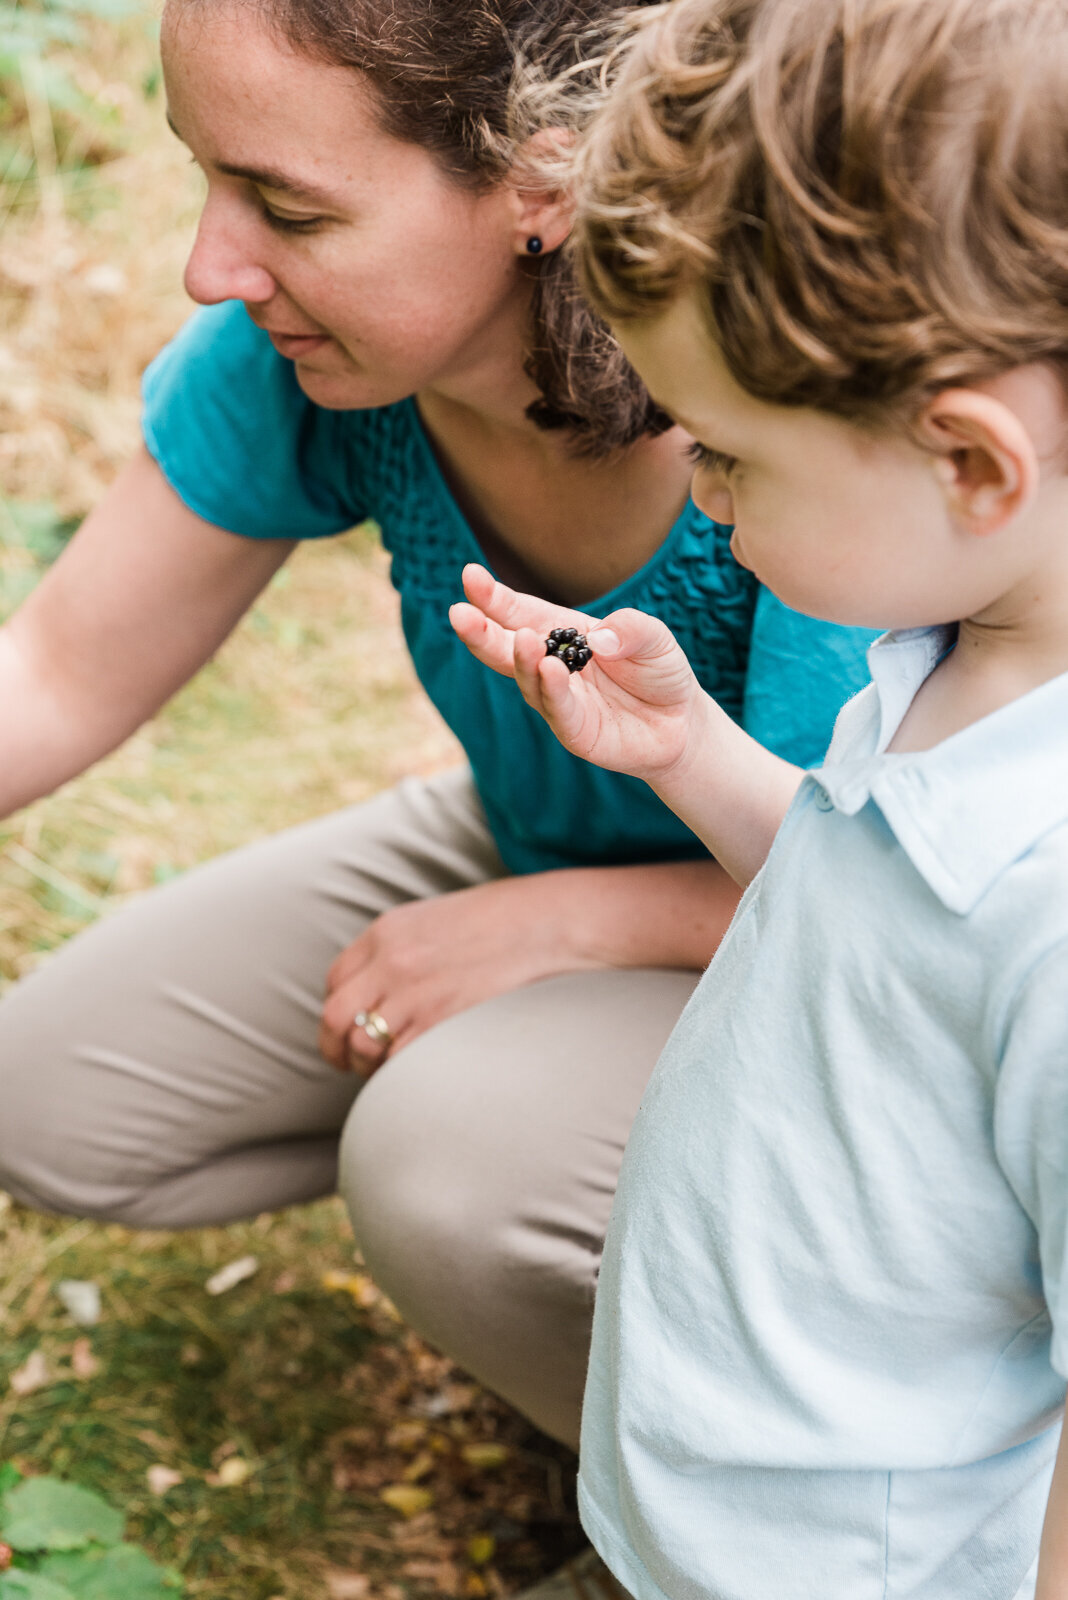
<point>550,521</point>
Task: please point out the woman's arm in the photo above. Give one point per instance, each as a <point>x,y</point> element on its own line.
<point>430,959</point>
<point>141,598</point>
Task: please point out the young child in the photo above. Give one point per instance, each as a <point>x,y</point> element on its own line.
<point>832,1324</point>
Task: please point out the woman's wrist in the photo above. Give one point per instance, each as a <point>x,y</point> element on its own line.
<point>666,914</point>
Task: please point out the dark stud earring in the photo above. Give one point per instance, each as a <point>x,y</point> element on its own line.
<point>534,245</point>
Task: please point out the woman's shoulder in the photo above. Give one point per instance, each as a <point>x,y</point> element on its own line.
<point>234,434</point>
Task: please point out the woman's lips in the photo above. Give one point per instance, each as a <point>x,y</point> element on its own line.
<point>295,346</point>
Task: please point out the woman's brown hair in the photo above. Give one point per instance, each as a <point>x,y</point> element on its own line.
<point>441,71</point>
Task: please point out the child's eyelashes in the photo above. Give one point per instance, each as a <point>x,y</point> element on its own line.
<point>711,460</point>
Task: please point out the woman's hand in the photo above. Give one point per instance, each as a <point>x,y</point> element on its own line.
<point>634,708</point>
<point>427,960</point>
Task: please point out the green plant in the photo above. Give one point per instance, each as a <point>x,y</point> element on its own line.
<point>65,1543</point>
<point>53,123</point>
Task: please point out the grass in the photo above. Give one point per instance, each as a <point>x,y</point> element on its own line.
<point>318,1397</point>
<point>322,1397</point>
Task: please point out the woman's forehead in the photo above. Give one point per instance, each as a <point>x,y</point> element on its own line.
<point>244,98</point>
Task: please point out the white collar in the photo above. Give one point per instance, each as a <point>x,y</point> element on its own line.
<point>967,809</point>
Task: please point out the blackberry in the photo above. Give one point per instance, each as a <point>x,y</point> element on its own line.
<point>570,646</point>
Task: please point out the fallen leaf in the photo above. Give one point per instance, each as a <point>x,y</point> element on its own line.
<point>347,1585</point>
<point>32,1375</point>
<point>485,1457</point>
<point>407,1499</point>
<point>406,1435</point>
<point>81,1301</point>
<point>474,1585</point>
<point>231,1475</point>
<point>83,1363</point>
<point>161,1478</point>
<point>363,1290</point>
<point>423,1463</point>
<point>230,1276</point>
<point>481,1548</point>
<point>450,1398</point>
<point>7,1556</point>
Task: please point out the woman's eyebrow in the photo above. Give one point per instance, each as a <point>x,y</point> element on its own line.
<point>269,177</point>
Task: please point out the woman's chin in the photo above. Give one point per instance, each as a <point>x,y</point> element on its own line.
<point>349,390</point>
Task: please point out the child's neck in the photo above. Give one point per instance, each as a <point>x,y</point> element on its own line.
<point>1003,653</point>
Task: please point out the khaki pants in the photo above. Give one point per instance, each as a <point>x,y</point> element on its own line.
<point>161,1071</point>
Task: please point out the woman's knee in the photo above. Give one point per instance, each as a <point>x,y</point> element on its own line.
<point>474,1263</point>
<point>479,1190</point>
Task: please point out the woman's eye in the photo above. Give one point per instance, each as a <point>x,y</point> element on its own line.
<point>711,460</point>
<point>283,224</point>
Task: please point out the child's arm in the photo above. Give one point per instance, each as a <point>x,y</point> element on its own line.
<point>1053,1556</point>
<point>636,708</point>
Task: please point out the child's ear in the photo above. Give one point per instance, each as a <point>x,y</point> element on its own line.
<point>984,458</point>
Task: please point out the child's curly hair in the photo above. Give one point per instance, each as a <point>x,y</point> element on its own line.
<point>870,196</point>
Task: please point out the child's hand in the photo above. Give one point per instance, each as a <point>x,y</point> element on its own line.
<point>634,708</point>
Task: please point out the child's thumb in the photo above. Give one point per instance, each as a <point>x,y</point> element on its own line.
<point>629,634</point>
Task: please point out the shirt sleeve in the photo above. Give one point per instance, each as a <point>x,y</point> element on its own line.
<point>238,440</point>
<point>1031,1125</point>
<point>801,673</point>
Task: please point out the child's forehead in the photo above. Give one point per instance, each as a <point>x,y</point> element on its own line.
<point>679,360</point>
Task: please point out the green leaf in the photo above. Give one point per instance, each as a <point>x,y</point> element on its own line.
<point>122,1573</point>
<point>31,1586</point>
<point>9,1476</point>
<point>45,1514</point>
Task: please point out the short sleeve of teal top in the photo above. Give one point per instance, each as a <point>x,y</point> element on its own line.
<point>244,448</point>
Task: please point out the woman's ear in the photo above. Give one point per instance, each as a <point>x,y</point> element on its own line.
<point>984,458</point>
<point>544,210</point>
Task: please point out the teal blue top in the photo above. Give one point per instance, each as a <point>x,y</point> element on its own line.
<point>244,448</point>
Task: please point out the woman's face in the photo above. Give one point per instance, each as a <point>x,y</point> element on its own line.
<point>371,269</point>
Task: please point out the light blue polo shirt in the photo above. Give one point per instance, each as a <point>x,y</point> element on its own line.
<point>831,1333</point>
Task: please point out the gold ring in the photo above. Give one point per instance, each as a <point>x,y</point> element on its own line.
<point>374,1026</point>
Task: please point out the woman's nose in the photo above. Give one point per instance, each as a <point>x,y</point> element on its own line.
<point>222,264</point>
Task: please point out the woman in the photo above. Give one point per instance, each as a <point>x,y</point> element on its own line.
<point>390,332</point>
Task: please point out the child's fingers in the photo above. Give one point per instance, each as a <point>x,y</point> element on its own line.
<point>510,609</point>
<point>487,641</point>
<point>527,656</point>
<point>547,686</point>
<point>561,704</point>
<point>631,636</point>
